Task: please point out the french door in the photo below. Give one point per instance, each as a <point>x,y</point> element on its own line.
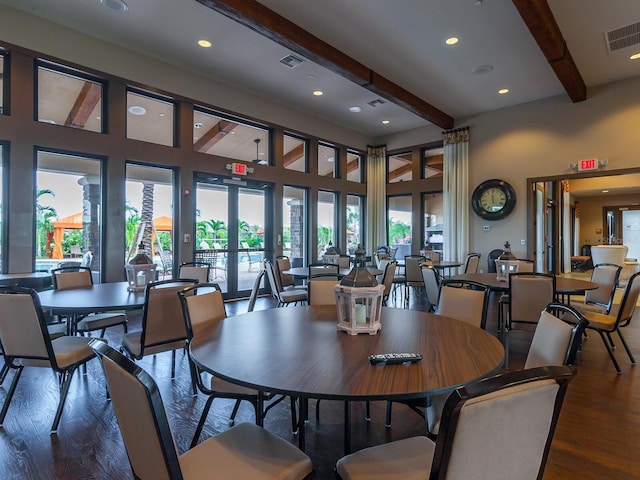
<point>231,223</point>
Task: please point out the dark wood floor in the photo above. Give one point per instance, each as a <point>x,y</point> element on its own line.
<point>598,434</point>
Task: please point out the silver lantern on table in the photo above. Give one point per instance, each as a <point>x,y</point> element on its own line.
<point>140,271</point>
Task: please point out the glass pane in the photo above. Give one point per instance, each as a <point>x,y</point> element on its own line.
<point>68,211</point>
<point>433,222</point>
<point>212,229</point>
<point>228,138</point>
<point>251,227</point>
<point>354,167</point>
<point>150,120</point>
<point>295,157</point>
<point>432,163</point>
<point>399,215</point>
<point>294,225</point>
<point>69,100</point>
<point>326,221</point>
<point>327,159</point>
<point>149,215</point>
<point>354,222</point>
<point>1,209</point>
<point>399,168</point>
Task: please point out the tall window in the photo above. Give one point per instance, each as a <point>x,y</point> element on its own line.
<point>150,118</point>
<point>326,221</point>
<point>354,222</point>
<point>229,137</point>
<point>433,221</point>
<point>295,154</point>
<point>327,160</point>
<point>69,98</point>
<point>2,82</point>
<point>2,211</point>
<point>149,215</point>
<point>399,228</point>
<point>68,210</point>
<point>432,162</point>
<point>354,167</point>
<point>294,224</point>
<point>399,168</point>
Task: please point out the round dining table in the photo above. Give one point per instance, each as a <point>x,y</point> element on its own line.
<point>298,351</point>
<point>100,297</point>
<point>303,272</point>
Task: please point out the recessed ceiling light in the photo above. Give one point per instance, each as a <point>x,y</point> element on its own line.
<point>452,40</point>
<point>482,69</point>
<point>317,93</point>
<point>198,125</point>
<point>635,56</point>
<point>117,5</point>
<point>385,122</point>
<point>355,109</point>
<point>204,43</point>
<point>503,91</point>
<point>605,191</point>
<point>137,110</point>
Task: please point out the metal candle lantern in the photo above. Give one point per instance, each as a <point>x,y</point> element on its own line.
<point>140,271</point>
<point>359,299</point>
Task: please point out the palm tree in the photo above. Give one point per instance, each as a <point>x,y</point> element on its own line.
<point>44,224</point>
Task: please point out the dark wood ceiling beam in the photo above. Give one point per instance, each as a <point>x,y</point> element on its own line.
<point>400,171</point>
<point>293,155</point>
<point>213,135</point>
<point>89,96</point>
<point>538,17</point>
<point>270,24</point>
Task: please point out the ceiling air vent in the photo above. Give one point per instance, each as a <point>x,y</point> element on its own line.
<point>623,37</point>
<point>376,102</point>
<point>291,61</point>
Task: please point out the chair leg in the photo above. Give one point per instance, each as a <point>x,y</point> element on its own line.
<point>626,347</point>
<point>610,351</point>
<point>294,416</point>
<point>367,411</point>
<point>12,389</point>
<point>173,364</point>
<point>387,421</point>
<point>67,377</point>
<point>234,412</point>
<point>203,417</point>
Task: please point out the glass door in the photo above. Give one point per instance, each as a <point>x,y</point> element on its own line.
<point>230,231</point>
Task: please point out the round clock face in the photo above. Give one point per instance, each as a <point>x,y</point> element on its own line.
<point>493,199</point>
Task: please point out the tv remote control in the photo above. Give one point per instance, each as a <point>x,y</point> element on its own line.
<point>392,358</point>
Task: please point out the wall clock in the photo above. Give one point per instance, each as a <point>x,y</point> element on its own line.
<point>493,199</point>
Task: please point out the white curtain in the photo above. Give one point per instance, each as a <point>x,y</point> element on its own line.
<point>376,198</point>
<point>456,194</point>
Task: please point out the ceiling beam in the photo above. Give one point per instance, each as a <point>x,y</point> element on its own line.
<point>214,135</point>
<point>87,99</point>
<point>538,17</point>
<point>277,28</point>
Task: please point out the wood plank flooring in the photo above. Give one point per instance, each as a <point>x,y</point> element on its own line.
<point>597,437</point>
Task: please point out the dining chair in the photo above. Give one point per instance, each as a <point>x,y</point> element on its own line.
<point>322,291</point>
<point>388,274</point>
<point>195,270</point>
<point>474,426</point>
<point>202,307</point>
<point>529,293</point>
<point>243,451</point>
<point>431,285</point>
<point>606,324</point>
<point>284,297</point>
<point>462,300</point>
<point>471,263</point>
<point>67,278</point>
<point>413,277</point>
<point>281,264</point>
<point>26,342</point>
<point>600,300</point>
<point>163,327</point>
<point>555,342</point>
<point>255,290</point>
<point>344,261</point>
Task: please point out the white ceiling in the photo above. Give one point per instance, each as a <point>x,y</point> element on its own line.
<point>402,40</point>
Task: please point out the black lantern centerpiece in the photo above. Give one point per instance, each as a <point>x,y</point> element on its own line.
<point>140,270</point>
<point>359,299</point>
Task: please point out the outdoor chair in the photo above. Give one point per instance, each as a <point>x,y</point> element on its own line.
<point>243,451</point>
<point>195,270</point>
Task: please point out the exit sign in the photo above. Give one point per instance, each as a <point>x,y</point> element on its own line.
<point>238,168</point>
<point>588,164</point>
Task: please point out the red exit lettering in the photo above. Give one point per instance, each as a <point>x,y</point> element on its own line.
<point>239,169</point>
<point>588,164</point>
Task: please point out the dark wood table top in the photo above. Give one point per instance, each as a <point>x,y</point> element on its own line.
<point>564,285</point>
<point>298,351</point>
<point>100,297</point>
<point>303,272</point>
<point>36,280</point>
